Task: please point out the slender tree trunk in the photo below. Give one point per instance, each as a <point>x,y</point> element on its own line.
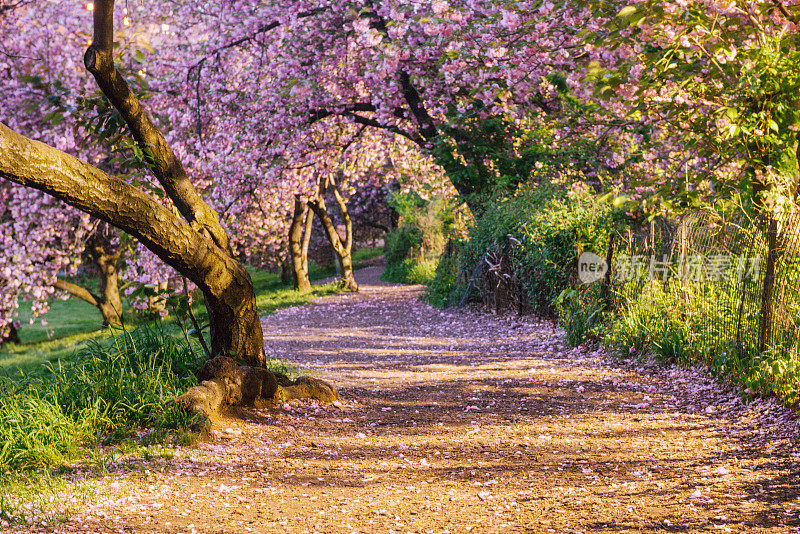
<point>308,226</point>
<point>299,267</point>
<point>107,300</point>
<point>346,257</point>
<point>342,249</point>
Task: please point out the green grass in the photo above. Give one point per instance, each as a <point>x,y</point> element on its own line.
<point>74,322</point>
<point>65,318</point>
<point>108,391</point>
<point>25,359</point>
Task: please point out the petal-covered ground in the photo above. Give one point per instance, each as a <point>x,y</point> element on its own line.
<point>458,421</point>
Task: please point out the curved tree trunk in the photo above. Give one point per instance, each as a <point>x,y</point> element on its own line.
<point>299,263</point>
<point>343,250</point>
<point>226,285</point>
<point>107,300</point>
<point>196,245</point>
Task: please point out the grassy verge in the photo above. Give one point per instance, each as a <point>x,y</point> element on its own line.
<point>62,398</point>
<point>87,393</point>
<point>73,322</point>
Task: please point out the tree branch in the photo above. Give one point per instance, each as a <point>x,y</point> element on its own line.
<point>77,291</point>
<point>263,29</point>
<point>785,12</point>
<point>359,119</point>
<point>87,188</point>
<point>99,60</point>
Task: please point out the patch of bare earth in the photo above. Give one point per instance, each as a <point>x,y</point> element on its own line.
<point>456,421</point>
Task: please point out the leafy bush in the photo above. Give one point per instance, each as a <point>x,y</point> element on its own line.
<point>580,312</point>
<point>413,248</point>
<point>442,283</point>
<point>126,382</point>
<point>548,230</point>
<point>684,326</point>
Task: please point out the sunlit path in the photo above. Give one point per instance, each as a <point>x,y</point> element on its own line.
<point>463,422</point>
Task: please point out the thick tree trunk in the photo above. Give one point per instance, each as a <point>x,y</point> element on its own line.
<point>299,266</point>
<point>198,248</point>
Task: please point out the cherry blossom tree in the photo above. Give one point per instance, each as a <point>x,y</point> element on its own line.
<point>414,70</point>
<point>702,98</point>
<point>194,243</point>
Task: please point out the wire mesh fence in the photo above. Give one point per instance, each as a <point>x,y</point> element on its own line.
<point>729,281</point>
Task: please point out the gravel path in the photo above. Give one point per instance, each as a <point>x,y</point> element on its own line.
<point>456,421</point>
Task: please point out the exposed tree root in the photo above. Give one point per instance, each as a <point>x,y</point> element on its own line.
<point>224,385</point>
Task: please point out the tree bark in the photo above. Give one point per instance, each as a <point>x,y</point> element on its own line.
<point>286,268</point>
<point>342,249</point>
<point>299,266</point>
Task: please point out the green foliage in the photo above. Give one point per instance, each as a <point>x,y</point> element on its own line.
<point>34,431</point>
<point>443,283</point>
<point>776,372</point>
<point>127,382</point>
<point>680,325</point>
<point>550,230</point>
<point>487,157</point>
<point>579,311</point>
<point>651,322</point>
<point>425,226</point>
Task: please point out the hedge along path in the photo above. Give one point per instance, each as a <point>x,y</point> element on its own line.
<point>457,421</point>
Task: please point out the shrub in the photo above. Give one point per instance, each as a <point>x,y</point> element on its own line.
<point>128,381</point>
<point>579,312</point>
<point>539,234</point>
<point>425,226</point>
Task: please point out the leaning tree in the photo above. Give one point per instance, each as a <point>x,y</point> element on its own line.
<point>182,230</point>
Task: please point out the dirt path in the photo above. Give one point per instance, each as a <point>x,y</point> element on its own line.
<point>462,422</point>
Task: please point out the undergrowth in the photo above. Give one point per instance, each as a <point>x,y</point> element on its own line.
<point>672,325</point>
